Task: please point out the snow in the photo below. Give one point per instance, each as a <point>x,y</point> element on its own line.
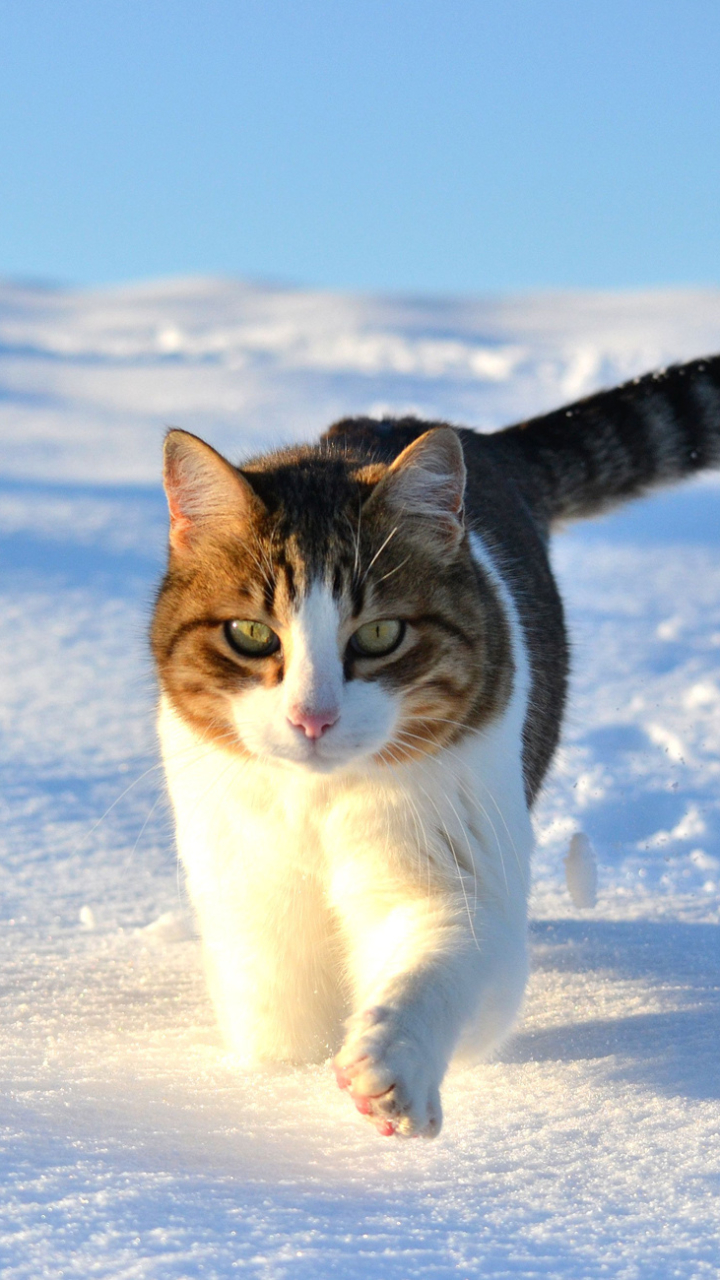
<point>132,1145</point>
<point>580,872</point>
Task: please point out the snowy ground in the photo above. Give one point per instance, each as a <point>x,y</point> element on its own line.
<point>131,1145</point>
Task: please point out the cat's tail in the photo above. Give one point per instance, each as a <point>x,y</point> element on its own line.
<point>589,456</point>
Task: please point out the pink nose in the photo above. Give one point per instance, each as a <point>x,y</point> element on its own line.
<point>312,724</point>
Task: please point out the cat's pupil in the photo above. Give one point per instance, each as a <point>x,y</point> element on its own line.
<point>251,638</point>
<point>375,639</point>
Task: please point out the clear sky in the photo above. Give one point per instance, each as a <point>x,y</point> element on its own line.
<point>472,145</point>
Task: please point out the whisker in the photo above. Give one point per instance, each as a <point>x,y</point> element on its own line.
<point>159,765</point>
<point>380,550</point>
<point>138,838</point>
<point>473,799</point>
<point>390,572</point>
<point>116,801</point>
<point>451,846</point>
<point>417,819</point>
<point>453,752</point>
<point>463,828</point>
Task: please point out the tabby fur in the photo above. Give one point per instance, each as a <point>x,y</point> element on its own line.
<point>355,829</point>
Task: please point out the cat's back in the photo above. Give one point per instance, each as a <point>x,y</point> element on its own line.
<point>496,501</point>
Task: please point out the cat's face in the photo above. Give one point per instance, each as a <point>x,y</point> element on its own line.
<point>321,612</point>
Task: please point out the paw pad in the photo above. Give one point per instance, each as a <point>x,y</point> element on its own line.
<point>388,1076</point>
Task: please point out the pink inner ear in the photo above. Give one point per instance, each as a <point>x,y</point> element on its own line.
<point>180,524</point>
<point>428,478</point>
<point>201,488</point>
<point>179,490</point>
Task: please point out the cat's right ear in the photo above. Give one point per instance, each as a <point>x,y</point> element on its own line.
<point>202,489</point>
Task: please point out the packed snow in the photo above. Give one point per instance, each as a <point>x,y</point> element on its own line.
<point>132,1144</point>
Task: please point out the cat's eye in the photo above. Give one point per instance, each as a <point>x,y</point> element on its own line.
<point>376,639</point>
<point>252,639</point>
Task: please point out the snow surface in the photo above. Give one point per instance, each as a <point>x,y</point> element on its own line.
<point>132,1146</point>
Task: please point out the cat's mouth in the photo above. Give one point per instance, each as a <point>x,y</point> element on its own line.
<point>320,756</point>
<point>313,757</point>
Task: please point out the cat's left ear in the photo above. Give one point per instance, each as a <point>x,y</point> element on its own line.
<point>204,492</point>
<point>428,480</point>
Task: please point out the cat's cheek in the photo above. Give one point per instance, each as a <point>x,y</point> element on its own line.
<point>368,717</point>
<point>260,722</point>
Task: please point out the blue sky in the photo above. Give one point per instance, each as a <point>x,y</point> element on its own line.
<point>423,145</point>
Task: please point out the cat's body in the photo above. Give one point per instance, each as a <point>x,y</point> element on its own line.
<point>363,665</point>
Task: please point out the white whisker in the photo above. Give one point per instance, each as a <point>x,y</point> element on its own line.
<point>479,806</point>
<point>380,550</point>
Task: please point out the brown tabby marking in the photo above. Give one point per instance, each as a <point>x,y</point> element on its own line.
<point>313,522</point>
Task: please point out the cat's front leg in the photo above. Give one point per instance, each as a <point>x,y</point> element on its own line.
<point>424,970</point>
<point>393,1071</point>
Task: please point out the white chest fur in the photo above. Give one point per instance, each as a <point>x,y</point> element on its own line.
<point>378,893</point>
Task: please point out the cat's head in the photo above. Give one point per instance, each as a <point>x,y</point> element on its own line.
<point>319,610</point>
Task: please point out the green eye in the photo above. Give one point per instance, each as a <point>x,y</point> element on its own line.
<point>253,639</point>
<point>376,639</point>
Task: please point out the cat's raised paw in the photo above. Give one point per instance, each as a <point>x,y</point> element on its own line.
<point>389,1076</point>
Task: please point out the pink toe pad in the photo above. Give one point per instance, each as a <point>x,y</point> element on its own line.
<point>343,1080</point>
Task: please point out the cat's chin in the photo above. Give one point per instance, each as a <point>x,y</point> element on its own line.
<point>318,766</point>
<point>314,762</point>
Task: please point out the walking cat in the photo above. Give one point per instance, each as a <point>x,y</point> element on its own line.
<point>363,662</point>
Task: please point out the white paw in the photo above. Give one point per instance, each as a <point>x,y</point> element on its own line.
<point>391,1076</point>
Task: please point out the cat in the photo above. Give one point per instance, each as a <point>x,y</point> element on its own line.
<point>363,662</point>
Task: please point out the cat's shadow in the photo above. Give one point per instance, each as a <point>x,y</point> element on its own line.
<point>673,1052</point>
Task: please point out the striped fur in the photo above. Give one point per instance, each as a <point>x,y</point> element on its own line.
<point>590,456</point>
<point>618,444</point>
<point>355,829</point>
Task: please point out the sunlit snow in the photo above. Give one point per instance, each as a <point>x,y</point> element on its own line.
<point>132,1145</point>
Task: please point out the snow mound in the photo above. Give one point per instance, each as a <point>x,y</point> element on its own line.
<point>581,872</point>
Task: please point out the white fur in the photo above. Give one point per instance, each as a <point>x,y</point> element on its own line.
<point>329,888</point>
<point>314,682</point>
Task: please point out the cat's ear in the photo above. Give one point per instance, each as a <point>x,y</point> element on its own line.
<point>202,489</point>
<point>428,479</point>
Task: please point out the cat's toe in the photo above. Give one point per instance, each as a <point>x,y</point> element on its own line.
<point>389,1077</point>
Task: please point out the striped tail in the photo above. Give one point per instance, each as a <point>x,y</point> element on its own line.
<point>615,445</point>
